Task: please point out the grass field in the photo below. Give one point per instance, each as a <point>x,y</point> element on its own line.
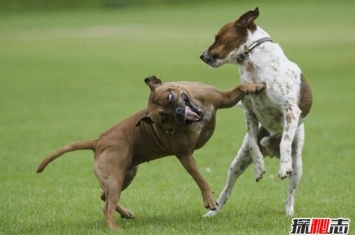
<point>69,75</point>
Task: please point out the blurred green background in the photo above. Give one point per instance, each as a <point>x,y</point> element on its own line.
<point>69,71</point>
<point>78,4</point>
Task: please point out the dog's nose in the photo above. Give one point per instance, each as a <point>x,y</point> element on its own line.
<point>202,57</point>
<point>180,110</point>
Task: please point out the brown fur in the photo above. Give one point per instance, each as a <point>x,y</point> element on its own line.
<point>305,102</point>
<point>154,133</point>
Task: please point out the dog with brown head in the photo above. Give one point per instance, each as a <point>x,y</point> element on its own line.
<point>180,118</point>
<point>275,120</point>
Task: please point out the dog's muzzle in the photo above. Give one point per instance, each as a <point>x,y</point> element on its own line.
<point>188,113</point>
<point>211,60</point>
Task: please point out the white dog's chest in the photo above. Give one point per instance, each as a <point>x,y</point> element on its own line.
<point>267,113</point>
<point>282,90</point>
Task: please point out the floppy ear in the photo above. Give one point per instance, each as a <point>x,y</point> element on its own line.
<point>153,82</point>
<point>247,18</point>
<point>145,119</point>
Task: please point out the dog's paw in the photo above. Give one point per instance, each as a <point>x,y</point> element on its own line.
<point>290,212</point>
<point>260,88</point>
<point>209,201</point>
<point>212,206</point>
<point>210,213</point>
<point>252,88</point>
<point>259,172</point>
<point>125,214</point>
<point>285,171</point>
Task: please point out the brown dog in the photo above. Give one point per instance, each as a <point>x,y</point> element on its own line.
<point>180,118</point>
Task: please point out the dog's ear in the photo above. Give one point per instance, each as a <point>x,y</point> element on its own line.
<point>153,82</point>
<point>247,19</point>
<point>145,119</point>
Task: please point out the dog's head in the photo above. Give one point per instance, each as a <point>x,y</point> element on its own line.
<point>229,39</point>
<point>170,105</point>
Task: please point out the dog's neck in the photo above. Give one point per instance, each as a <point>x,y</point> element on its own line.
<point>262,55</point>
<point>248,49</point>
<point>252,37</point>
<point>256,35</point>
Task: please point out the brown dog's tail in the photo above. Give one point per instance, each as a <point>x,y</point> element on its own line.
<point>81,145</point>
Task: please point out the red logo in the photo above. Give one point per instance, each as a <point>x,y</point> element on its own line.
<point>320,226</point>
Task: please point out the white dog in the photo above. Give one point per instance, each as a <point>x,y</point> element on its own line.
<point>281,109</point>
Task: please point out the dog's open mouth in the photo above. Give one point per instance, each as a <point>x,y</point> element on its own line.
<point>192,112</point>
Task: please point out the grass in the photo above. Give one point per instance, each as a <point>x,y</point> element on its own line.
<point>69,75</point>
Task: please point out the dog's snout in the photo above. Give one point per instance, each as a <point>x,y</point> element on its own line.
<point>180,110</point>
<point>202,57</point>
<point>180,115</point>
<point>208,59</point>
<point>205,58</point>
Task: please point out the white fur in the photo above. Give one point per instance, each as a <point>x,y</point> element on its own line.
<point>276,109</point>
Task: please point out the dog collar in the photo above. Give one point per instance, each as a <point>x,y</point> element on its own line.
<point>241,57</point>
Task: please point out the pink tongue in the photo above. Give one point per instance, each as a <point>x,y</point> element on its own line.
<point>190,115</point>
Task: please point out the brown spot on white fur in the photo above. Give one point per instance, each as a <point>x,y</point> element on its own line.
<point>287,137</point>
<point>250,66</point>
<point>289,118</point>
<point>305,102</point>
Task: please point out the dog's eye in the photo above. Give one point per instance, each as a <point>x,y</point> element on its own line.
<point>170,97</point>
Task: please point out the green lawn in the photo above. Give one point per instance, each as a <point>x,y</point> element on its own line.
<point>70,75</point>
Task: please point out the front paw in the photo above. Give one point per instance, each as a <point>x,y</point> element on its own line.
<point>259,171</point>
<point>259,88</point>
<point>285,169</point>
<point>209,201</point>
<point>252,88</point>
<point>285,172</point>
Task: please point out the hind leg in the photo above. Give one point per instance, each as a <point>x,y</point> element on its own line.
<point>112,193</point>
<point>238,166</point>
<point>110,169</point>
<point>130,174</point>
<point>125,213</point>
<point>297,147</point>
<point>291,117</point>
